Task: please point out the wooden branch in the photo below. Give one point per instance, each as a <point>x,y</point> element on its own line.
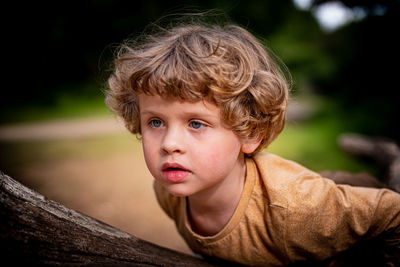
<point>38,231</point>
<point>385,153</point>
<point>355,179</point>
<point>382,151</point>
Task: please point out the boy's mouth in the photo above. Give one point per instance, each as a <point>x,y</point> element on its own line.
<point>174,172</point>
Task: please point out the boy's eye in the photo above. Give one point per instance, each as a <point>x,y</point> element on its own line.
<point>156,123</point>
<point>196,124</point>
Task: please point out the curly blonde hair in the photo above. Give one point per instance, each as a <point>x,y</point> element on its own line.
<point>224,64</point>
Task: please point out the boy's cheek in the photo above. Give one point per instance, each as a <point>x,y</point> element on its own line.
<point>214,159</point>
<point>149,154</point>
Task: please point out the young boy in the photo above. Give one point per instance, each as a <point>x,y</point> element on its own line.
<point>205,101</point>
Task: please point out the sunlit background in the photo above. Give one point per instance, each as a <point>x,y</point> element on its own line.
<point>58,137</point>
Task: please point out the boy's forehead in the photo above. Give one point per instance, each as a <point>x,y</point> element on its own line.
<point>166,103</point>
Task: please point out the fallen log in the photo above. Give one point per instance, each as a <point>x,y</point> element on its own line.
<point>35,231</point>
<point>38,231</point>
<point>384,153</point>
<point>354,179</point>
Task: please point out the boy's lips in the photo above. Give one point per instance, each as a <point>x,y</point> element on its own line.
<point>174,172</point>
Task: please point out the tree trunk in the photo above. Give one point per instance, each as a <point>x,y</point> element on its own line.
<point>38,231</point>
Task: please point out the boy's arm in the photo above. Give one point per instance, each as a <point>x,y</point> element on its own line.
<point>325,219</point>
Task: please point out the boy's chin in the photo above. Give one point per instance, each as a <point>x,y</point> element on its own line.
<point>178,191</point>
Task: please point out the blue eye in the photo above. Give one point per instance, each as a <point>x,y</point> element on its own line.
<point>196,125</point>
<point>156,123</point>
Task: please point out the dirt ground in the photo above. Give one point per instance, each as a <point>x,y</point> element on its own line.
<point>115,188</point>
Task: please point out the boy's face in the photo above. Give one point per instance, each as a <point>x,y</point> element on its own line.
<point>186,147</point>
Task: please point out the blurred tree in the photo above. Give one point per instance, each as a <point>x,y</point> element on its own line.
<point>364,80</point>
<point>55,43</point>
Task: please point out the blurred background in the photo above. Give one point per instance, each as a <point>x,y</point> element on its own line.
<point>58,137</point>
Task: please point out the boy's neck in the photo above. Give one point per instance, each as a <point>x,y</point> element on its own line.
<point>209,211</point>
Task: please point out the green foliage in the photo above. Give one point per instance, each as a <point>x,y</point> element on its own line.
<point>313,143</point>
<point>71,101</point>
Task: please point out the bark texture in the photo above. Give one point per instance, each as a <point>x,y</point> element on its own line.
<point>383,153</point>
<point>38,231</point>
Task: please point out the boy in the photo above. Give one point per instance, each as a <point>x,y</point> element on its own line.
<point>205,100</point>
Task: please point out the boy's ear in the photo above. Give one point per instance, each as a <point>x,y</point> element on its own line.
<point>249,146</point>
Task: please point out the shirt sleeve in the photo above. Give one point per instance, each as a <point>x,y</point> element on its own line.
<point>325,219</point>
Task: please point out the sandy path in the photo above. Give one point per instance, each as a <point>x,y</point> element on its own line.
<point>61,129</point>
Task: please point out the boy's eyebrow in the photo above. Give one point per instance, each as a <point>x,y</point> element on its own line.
<point>198,113</point>
<point>148,112</point>
<point>195,114</point>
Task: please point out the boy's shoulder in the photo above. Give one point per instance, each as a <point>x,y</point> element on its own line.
<point>290,185</point>
<point>321,218</point>
<point>281,171</point>
<point>285,180</point>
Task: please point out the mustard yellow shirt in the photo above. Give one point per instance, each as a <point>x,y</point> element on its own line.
<point>288,213</point>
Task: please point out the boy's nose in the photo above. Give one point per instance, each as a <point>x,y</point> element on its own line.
<point>173,142</point>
